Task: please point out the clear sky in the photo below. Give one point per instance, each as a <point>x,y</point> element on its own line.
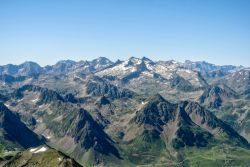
<point>45,31</point>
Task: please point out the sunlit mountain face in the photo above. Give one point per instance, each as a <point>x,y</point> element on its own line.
<point>134,112</point>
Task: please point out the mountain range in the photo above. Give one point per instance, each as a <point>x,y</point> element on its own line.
<point>136,112</point>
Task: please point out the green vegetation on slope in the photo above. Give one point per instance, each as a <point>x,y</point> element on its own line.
<point>48,158</point>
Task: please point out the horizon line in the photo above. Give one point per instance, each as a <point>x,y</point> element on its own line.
<point>89,60</point>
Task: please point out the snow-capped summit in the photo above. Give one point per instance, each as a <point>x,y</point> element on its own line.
<point>123,68</point>
<point>132,61</point>
<point>100,63</point>
<point>136,70</point>
<point>24,69</point>
<point>211,70</point>
<point>69,66</point>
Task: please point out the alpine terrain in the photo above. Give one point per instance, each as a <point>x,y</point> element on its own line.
<point>134,112</point>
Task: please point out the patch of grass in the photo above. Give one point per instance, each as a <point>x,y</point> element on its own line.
<point>144,150</point>
<point>49,158</point>
<point>222,155</point>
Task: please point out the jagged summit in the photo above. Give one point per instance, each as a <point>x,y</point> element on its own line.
<point>128,113</point>
<point>211,70</point>
<point>29,64</point>
<point>154,111</point>
<point>90,135</point>
<point>99,87</point>
<point>215,95</point>
<point>66,62</point>
<point>25,69</point>
<point>102,60</point>
<point>134,61</point>
<point>156,97</point>
<point>69,66</point>
<point>183,124</point>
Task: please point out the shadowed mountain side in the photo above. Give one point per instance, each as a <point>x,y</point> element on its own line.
<point>15,132</point>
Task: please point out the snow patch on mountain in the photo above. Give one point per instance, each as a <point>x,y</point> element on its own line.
<point>43,149</point>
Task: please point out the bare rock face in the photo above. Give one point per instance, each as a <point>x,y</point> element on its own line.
<point>16,132</point>
<point>194,125</point>
<point>99,87</point>
<point>89,134</point>
<point>129,113</point>
<point>214,96</point>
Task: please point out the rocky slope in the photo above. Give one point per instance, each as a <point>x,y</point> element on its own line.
<point>14,133</point>
<point>211,70</point>
<point>193,125</point>
<point>238,81</point>
<point>215,96</point>
<point>107,114</point>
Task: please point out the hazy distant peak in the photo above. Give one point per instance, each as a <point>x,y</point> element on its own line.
<point>102,60</point>
<point>66,62</point>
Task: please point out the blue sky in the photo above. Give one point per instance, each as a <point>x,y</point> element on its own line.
<point>45,31</point>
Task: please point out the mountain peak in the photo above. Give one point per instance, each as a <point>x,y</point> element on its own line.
<point>29,68</point>
<point>90,134</point>
<point>137,61</point>
<point>145,58</point>
<point>15,130</point>
<point>102,61</point>
<point>66,62</point>
<point>29,63</point>
<point>155,112</point>
<point>157,97</point>
<point>215,95</point>
<point>132,61</point>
